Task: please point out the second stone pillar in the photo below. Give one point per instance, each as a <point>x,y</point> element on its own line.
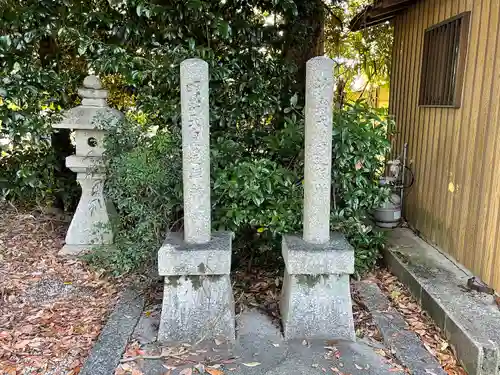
<point>316,298</point>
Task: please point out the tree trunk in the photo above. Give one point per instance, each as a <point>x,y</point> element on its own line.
<point>304,37</point>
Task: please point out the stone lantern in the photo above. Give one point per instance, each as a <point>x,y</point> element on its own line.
<point>90,226</point>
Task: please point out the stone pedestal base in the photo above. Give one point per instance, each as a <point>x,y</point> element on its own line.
<point>197,308</point>
<point>316,297</point>
<point>197,297</point>
<point>90,225</point>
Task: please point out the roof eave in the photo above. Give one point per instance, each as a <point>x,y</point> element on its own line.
<point>378,13</point>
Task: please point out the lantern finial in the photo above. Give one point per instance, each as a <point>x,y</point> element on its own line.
<point>92,82</point>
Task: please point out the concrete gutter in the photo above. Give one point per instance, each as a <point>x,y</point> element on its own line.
<point>470,320</point>
<point>405,344</point>
<point>109,348</point>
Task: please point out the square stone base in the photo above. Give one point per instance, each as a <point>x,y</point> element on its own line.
<point>177,257</point>
<point>316,297</point>
<point>197,296</point>
<point>197,308</point>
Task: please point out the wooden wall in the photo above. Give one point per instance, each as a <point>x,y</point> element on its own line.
<point>454,153</point>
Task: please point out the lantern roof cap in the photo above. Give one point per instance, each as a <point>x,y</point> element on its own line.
<point>94,112</point>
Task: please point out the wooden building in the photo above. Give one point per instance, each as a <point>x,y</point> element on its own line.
<point>445,97</point>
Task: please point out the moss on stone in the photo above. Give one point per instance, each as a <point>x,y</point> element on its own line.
<point>310,280</point>
<point>173,280</point>
<point>202,268</point>
<point>196,281</point>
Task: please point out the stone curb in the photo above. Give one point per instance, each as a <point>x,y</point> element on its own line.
<point>471,326</point>
<point>107,351</point>
<point>405,344</point>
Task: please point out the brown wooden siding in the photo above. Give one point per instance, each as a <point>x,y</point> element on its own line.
<point>454,153</point>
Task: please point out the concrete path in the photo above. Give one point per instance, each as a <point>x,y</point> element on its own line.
<point>260,350</point>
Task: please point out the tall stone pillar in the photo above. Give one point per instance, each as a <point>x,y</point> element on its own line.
<point>197,296</point>
<point>90,226</point>
<point>195,150</point>
<point>316,300</point>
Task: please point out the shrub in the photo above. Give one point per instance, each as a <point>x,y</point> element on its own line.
<point>144,183</point>
<point>256,188</point>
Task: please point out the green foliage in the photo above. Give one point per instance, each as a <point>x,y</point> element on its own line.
<point>256,189</point>
<point>360,144</point>
<point>144,184</point>
<point>366,53</point>
<point>366,240</point>
<point>136,46</point>
<point>259,194</point>
<point>25,176</point>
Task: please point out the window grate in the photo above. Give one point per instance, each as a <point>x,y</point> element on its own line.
<point>443,62</point>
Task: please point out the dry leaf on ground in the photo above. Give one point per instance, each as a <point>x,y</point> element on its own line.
<point>419,322</point>
<point>51,308</point>
<point>214,371</point>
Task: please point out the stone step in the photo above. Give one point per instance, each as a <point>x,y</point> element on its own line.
<point>405,344</point>
<point>470,320</point>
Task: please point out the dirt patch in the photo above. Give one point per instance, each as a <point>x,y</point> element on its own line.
<point>51,308</point>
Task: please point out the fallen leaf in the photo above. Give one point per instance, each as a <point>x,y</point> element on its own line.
<point>186,371</point>
<point>200,368</point>
<point>218,342</point>
<point>214,371</point>
<point>251,364</point>
<point>22,344</point>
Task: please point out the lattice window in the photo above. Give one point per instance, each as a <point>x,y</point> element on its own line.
<point>443,62</point>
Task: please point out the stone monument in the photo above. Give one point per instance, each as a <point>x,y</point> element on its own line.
<point>90,225</point>
<point>316,299</point>
<point>197,297</point>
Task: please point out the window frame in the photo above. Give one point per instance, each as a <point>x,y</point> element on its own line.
<point>463,48</point>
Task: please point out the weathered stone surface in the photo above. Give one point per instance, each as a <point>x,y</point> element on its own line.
<point>108,350</point>
<point>301,257</point>
<point>91,165</point>
<point>176,257</point>
<point>197,308</point>
<point>405,344</point>
<point>195,150</point>
<point>260,341</point>
<point>316,299</point>
<point>318,149</point>
<point>317,307</point>
<point>92,82</point>
<point>90,226</point>
<point>89,118</point>
<point>89,142</point>
<point>469,319</point>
